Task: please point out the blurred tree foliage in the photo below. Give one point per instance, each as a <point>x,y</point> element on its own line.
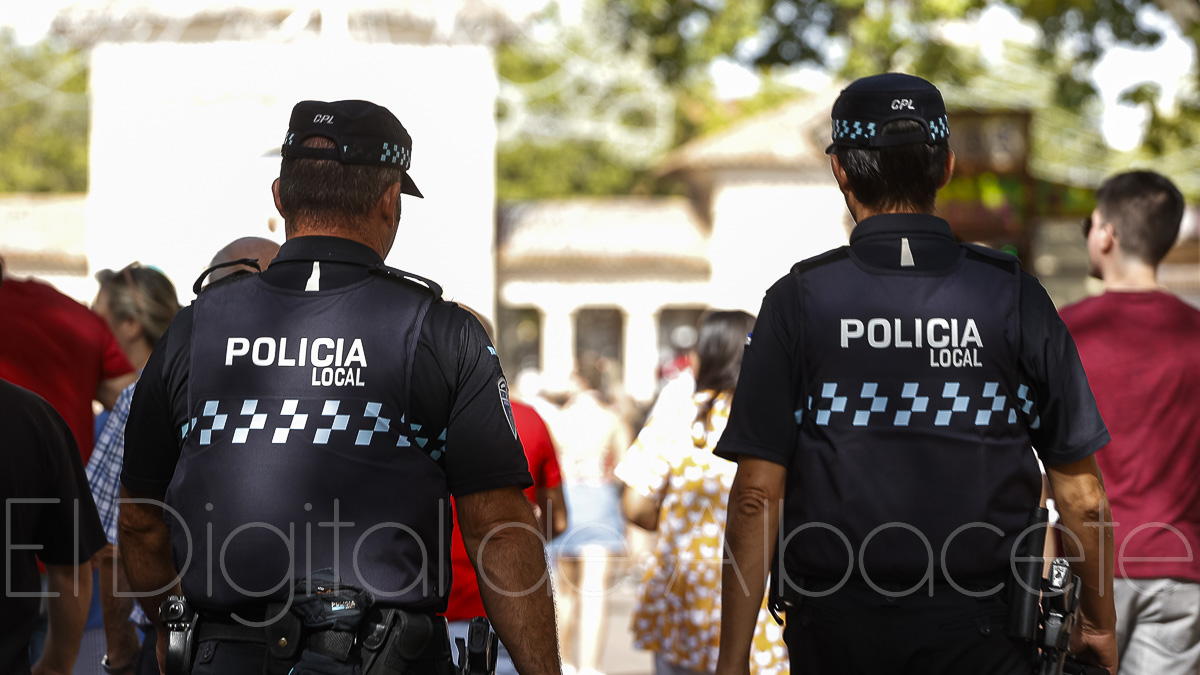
<point>43,117</point>
<point>573,121</point>
<point>680,39</point>
<point>879,35</point>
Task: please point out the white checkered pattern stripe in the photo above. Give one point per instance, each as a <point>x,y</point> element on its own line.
<point>282,421</point>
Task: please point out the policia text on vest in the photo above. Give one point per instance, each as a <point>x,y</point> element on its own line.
<point>336,362</point>
<point>949,346</point>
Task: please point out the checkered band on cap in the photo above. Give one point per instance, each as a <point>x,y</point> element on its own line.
<point>859,132</point>
<point>939,129</point>
<point>852,130</point>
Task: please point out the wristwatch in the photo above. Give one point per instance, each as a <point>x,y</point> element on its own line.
<point>127,668</point>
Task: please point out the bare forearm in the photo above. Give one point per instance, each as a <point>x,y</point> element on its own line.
<point>1091,548</point>
<point>749,537</point>
<point>750,531</point>
<point>119,634</point>
<point>557,507</point>
<point>67,615</point>
<point>145,546</point>
<point>639,510</point>
<point>514,582</point>
<point>1083,509</point>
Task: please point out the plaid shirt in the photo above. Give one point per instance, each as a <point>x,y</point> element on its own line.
<point>104,473</point>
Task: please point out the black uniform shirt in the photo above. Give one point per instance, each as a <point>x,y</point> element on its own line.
<point>457,407</point>
<point>770,420</point>
<point>50,513</point>
<point>453,383</point>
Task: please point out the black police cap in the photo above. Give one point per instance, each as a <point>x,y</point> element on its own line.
<point>364,133</point>
<point>871,102</point>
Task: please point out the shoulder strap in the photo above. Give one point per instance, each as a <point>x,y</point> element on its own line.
<point>408,278</point>
<point>830,256</point>
<point>988,256</point>
<point>248,262</point>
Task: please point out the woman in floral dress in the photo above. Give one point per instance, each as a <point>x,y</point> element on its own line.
<point>676,486</point>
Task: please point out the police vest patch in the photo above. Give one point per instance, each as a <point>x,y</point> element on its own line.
<point>502,385</point>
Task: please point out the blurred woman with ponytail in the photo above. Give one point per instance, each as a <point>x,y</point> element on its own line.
<point>675,486</point>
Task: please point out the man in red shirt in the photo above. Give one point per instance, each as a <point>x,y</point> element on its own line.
<point>546,494</point>
<point>1139,347</point>
<point>62,351</point>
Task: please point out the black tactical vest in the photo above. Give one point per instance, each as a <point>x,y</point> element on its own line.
<point>300,454</point>
<point>913,449</point>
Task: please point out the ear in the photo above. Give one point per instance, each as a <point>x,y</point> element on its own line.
<point>948,172</point>
<point>278,204</point>
<point>1107,235</point>
<point>839,173</point>
<point>385,208</point>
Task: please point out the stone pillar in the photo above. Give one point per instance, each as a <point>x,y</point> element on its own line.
<point>641,351</point>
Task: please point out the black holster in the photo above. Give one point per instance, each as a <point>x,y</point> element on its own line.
<point>477,654</point>
<point>393,640</point>
<point>179,620</point>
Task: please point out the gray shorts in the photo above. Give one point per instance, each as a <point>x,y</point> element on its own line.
<point>1158,626</point>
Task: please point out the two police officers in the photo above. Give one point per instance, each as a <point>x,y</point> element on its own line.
<point>890,394</point>
<point>318,416</point>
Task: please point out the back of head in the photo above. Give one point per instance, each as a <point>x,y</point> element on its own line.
<point>338,160</point>
<point>1145,209</point>
<point>890,134</point>
<point>897,178</point>
<point>143,294</point>
<point>720,347</point>
<point>326,191</point>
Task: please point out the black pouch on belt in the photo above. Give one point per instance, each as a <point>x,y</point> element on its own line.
<point>283,640</point>
<point>395,638</point>
<point>331,613</point>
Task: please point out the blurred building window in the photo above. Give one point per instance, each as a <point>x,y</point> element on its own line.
<point>519,339</point>
<point>598,336</point>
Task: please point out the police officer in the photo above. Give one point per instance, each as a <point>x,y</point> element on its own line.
<point>320,415</point>
<point>889,396</point>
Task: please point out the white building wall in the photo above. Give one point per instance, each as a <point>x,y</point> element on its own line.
<point>41,228</point>
<point>184,144</point>
<point>763,222</point>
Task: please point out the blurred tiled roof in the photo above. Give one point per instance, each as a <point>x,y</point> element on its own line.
<point>615,235</point>
<point>793,136</point>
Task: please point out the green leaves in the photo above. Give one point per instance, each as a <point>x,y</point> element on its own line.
<point>684,35</point>
<point>43,118</point>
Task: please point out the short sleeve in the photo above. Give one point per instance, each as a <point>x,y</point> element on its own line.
<point>762,421</point>
<point>646,466</point>
<point>483,450</point>
<point>1064,422</point>
<point>69,529</point>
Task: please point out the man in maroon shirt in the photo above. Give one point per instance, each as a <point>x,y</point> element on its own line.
<point>62,351</point>
<point>546,494</point>
<point>1139,347</point>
